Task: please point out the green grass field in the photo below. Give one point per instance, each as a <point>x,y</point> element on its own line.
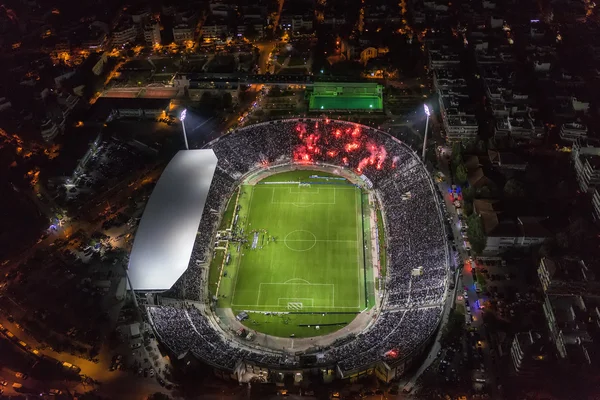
<point>307,257</point>
<point>345,103</point>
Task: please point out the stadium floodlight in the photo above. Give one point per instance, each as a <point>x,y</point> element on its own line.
<point>428,113</point>
<point>182,118</point>
<point>426,108</point>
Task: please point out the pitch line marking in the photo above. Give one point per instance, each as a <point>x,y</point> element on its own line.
<point>298,298</point>
<point>303,191</point>
<point>296,279</point>
<point>312,301</point>
<point>285,283</point>
<point>314,240</point>
<point>306,205</point>
<point>323,240</point>
<point>274,305</point>
<point>239,259</point>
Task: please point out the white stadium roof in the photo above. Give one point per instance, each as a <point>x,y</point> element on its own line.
<point>165,237</point>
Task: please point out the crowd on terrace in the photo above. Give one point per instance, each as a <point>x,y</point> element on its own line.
<point>416,280</point>
<point>395,334</point>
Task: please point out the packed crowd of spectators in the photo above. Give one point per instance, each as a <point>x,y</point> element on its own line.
<point>191,285</point>
<point>416,274</point>
<point>395,334</point>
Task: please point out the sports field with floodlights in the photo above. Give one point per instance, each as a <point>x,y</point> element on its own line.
<point>303,256</point>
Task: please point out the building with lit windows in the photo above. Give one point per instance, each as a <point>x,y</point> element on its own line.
<point>571,308</point>
<point>125,32</point>
<point>586,160</point>
<point>596,205</point>
<point>527,352</point>
<point>49,129</point>
<point>152,33</point>
<point>573,131</point>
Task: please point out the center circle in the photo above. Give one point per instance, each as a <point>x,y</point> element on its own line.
<point>300,240</point>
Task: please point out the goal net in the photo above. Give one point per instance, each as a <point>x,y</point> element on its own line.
<point>294,306</point>
<point>303,184</point>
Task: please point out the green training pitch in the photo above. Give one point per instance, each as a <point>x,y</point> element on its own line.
<point>303,255</point>
<point>346,103</point>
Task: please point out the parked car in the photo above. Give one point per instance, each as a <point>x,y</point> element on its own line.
<point>21,375</point>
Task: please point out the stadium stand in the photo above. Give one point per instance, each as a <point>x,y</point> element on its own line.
<point>412,305</point>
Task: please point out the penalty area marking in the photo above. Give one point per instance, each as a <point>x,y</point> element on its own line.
<point>297,279</point>
<point>307,204</point>
<point>292,284</point>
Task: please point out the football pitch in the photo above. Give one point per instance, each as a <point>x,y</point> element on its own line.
<point>303,253</point>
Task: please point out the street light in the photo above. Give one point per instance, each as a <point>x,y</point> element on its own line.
<point>428,113</point>
<point>182,118</point>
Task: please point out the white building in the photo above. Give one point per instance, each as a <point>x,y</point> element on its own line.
<point>573,131</point>
<point>461,127</point>
<point>49,130</point>
<point>508,233</point>
<point>124,33</point>
<point>596,205</point>
<point>182,33</point>
<point>212,31</point>
<point>152,33</point>
<point>586,160</point>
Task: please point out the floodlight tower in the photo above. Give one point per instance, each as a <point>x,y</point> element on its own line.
<point>182,118</point>
<point>428,113</point>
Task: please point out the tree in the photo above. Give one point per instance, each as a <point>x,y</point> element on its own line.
<point>251,33</point>
<point>484,191</point>
<point>468,194</point>
<point>453,328</point>
<point>207,98</point>
<point>476,233</point>
<point>457,156</point>
<point>227,100</point>
<point>468,208</point>
<point>514,188</point>
<point>461,173</point>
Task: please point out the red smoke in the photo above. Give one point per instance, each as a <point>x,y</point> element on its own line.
<point>320,141</point>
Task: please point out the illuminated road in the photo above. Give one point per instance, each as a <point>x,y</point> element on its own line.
<point>265,49</point>
<point>114,384</point>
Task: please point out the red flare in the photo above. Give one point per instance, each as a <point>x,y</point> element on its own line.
<point>352,146</point>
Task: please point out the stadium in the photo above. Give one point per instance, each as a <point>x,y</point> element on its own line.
<point>294,247</point>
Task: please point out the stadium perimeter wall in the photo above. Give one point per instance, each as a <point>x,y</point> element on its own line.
<point>385,370</point>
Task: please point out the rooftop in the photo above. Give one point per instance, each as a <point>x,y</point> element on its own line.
<point>167,232</point>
